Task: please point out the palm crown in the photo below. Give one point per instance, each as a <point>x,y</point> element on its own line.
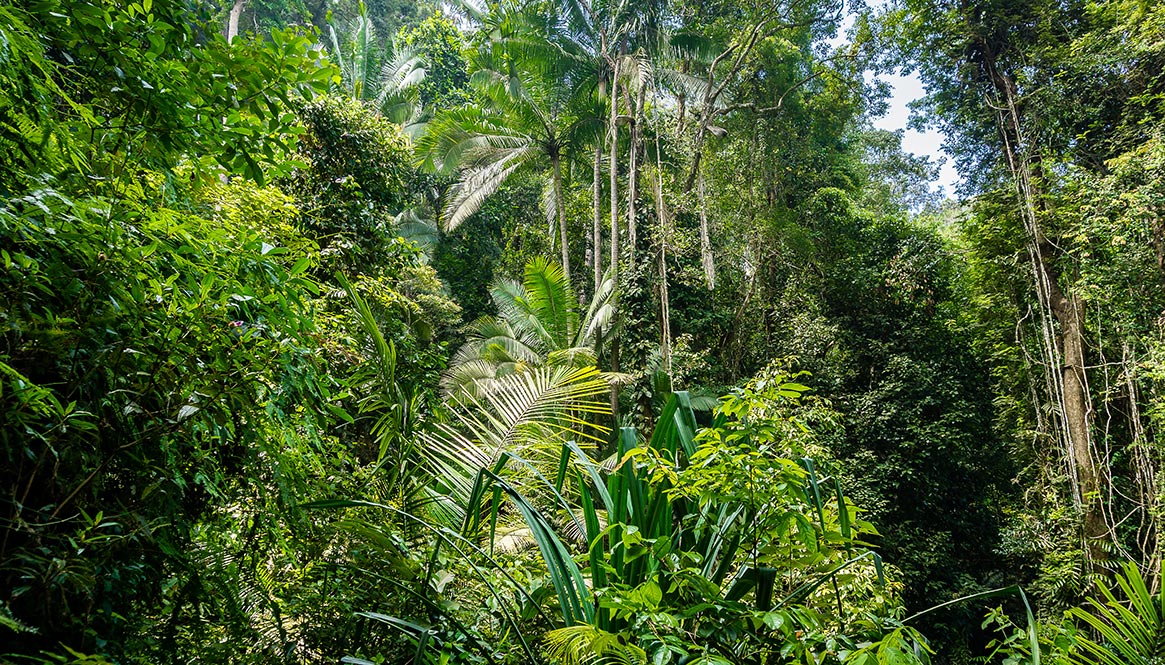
<point>539,324</point>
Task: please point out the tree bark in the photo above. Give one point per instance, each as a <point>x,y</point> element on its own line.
<point>233,20</point>
<point>1068,310</point>
<point>632,184</point>
<point>706,258</point>
<point>560,205</point>
<point>1066,348</point>
<point>613,167</point>
<point>636,112</point>
<point>597,228</point>
<point>665,341</point>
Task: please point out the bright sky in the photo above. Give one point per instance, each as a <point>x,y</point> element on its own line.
<point>905,90</point>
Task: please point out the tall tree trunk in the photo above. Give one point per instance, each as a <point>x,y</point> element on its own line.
<point>233,20</point>
<point>706,258</point>
<point>613,166</point>
<point>560,205</point>
<point>1069,312</point>
<point>661,214</point>
<point>597,228</point>
<point>632,185</point>
<point>636,112</point>
<point>698,150</point>
<point>1066,348</point>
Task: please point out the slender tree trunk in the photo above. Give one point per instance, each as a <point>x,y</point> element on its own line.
<point>706,258</point>
<point>697,151</point>
<point>233,20</point>
<point>733,341</point>
<point>1066,349</point>
<point>1077,414</point>
<point>632,186</point>
<point>560,205</point>
<point>597,228</point>
<point>712,93</point>
<point>636,112</point>
<point>613,168</point>
<point>665,341</point>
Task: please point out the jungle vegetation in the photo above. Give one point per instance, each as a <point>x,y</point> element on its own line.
<point>580,331</point>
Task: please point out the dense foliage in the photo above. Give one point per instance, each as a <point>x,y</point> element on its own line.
<point>578,332</point>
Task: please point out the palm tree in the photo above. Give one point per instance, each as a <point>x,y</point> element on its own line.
<point>523,122</point>
<point>550,77</point>
<point>429,465</point>
<point>538,325</point>
<point>391,88</point>
<point>586,36</point>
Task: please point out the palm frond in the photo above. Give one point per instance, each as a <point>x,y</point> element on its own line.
<point>404,70</point>
<point>355,55</point>
<point>579,20</point>
<point>513,537</point>
<point>458,138</point>
<point>549,205</point>
<point>691,86</point>
<point>473,377</point>
<point>539,407</point>
<point>514,306</point>
<point>1131,626</point>
<point>495,340</point>
<point>471,9</point>
<point>477,184</point>
<point>586,644</point>
<point>600,313</point>
<point>575,356</point>
<point>413,225</point>
<point>552,300</point>
<point>383,352</point>
<point>638,69</point>
<point>531,411</point>
<point>362,56</point>
<point>693,46</point>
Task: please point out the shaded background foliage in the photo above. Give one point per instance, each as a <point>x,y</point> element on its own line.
<point>230,295</point>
